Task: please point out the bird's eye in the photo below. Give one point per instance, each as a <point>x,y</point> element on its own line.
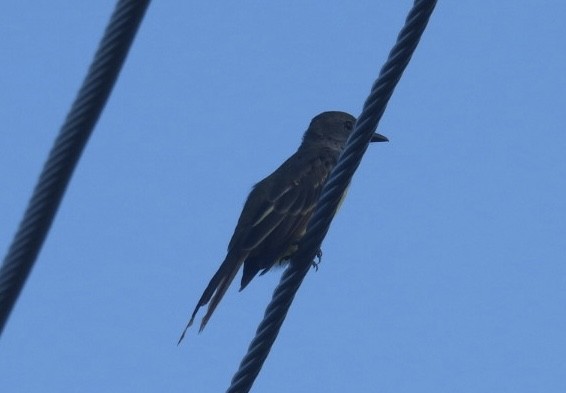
<point>348,125</point>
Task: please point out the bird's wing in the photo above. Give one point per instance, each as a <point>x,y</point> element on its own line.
<point>274,216</point>
<point>274,232</point>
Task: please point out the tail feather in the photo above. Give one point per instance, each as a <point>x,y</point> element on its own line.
<point>219,294</point>
<point>215,290</point>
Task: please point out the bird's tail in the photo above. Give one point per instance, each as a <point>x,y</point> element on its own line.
<point>215,290</point>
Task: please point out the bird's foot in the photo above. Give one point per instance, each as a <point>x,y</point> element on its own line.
<point>319,259</point>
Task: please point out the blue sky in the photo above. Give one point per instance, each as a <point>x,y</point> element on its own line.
<point>444,271</point>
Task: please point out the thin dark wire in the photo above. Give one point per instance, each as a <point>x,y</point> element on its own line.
<point>67,150</point>
<point>332,192</point>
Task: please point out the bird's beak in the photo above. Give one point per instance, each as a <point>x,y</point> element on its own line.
<point>378,138</point>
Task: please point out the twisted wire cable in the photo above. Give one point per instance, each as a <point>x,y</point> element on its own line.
<point>332,192</point>
<point>67,150</point>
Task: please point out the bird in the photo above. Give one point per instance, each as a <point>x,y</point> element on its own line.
<point>277,211</point>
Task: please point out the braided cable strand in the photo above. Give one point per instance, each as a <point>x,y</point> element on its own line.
<point>67,150</point>
<point>332,192</point>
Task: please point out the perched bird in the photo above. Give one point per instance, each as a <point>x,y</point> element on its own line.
<point>278,209</point>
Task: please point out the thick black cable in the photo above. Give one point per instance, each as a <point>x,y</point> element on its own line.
<point>332,192</point>
<point>67,150</point>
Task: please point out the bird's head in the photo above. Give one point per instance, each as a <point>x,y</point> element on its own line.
<point>332,129</point>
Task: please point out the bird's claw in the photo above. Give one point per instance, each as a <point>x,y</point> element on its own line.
<point>319,259</point>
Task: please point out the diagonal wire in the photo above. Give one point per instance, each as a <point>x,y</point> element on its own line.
<point>67,150</point>
<point>333,190</point>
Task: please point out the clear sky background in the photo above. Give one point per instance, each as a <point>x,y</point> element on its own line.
<point>445,270</point>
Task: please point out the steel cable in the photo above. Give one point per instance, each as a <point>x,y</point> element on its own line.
<point>338,181</point>
<point>67,150</point>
